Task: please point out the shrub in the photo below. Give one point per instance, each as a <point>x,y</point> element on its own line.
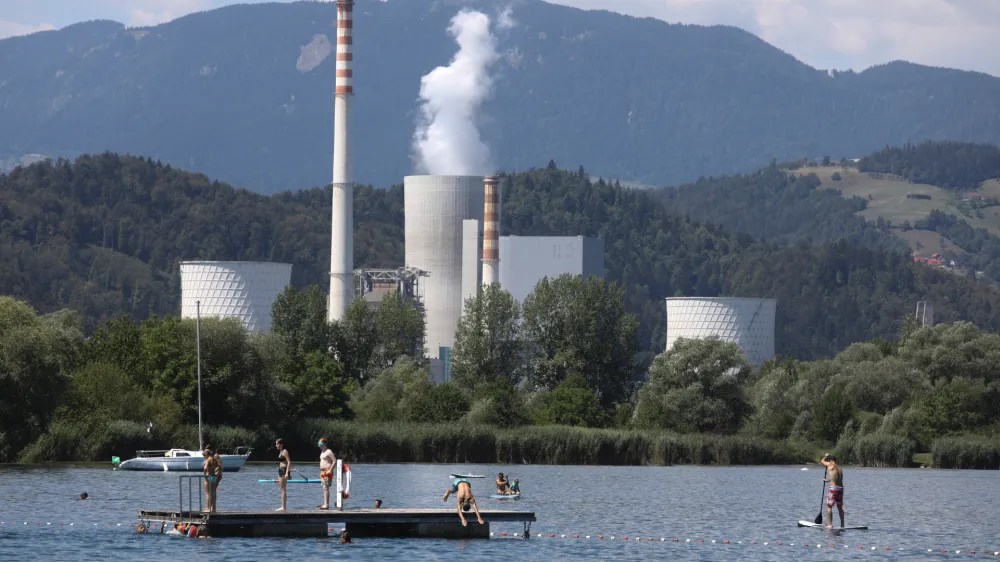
<point>966,452</point>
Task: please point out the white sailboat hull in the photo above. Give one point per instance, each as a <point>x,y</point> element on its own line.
<point>193,463</point>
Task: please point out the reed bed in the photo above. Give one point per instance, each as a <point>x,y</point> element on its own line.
<point>459,443</point>
<point>966,452</point>
<point>877,450</point>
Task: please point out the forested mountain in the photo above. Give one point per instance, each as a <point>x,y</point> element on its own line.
<point>243,94</point>
<point>793,208</point>
<point>778,207</point>
<point>103,235</point>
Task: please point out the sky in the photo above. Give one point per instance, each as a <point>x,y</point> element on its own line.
<point>827,34</point>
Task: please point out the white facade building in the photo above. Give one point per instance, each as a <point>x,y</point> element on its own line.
<point>435,208</point>
<point>747,322</point>
<point>245,290</point>
<point>525,260</point>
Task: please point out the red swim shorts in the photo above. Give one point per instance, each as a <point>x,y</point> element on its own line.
<point>835,496</point>
<point>326,476</point>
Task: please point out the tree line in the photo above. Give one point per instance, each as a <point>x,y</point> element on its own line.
<point>568,357</point>
<point>951,165</point>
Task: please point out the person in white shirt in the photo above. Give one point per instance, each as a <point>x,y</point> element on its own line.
<point>327,462</point>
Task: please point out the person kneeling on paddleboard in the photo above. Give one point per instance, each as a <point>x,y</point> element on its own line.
<point>515,488</point>
<point>835,496</point>
<point>463,489</point>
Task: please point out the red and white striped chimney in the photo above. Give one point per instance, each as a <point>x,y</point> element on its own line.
<point>342,223</point>
<point>491,231</point>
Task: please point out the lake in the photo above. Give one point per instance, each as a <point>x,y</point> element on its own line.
<point>915,510</point>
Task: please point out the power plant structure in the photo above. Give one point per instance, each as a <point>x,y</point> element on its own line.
<point>342,223</point>
<point>925,313</point>
<point>435,209</point>
<point>747,322</point>
<point>491,231</point>
<point>245,290</point>
<point>529,259</point>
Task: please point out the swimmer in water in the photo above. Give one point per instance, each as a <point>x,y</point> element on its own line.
<point>466,500</point>
<point>378,504</point>
<point>84,496</point>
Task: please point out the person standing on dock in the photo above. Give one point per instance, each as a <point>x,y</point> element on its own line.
<point>463,489</point>
<point>327,460</point>
<point>836,494</point>
<point>284,469</point>
<point>213,475</point>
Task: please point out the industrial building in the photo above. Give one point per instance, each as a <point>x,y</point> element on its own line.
<point>435,210</point>
<point>747,322</point>
<point>525,260</point>
<point>244,290</point>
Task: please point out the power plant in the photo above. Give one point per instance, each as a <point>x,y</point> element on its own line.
<point>453,248</point>
<point>747,322</point>
<point>435,209</point>
<point>245,290</point>
<point>342,220</point>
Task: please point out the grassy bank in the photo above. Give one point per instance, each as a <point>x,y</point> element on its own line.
<point>430,443</point>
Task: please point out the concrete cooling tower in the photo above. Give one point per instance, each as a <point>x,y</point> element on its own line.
<point>434,208</point>
<point>749,323</point>
<point>245,290</point>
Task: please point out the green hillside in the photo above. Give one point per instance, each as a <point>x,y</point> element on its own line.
<point>103,235</point>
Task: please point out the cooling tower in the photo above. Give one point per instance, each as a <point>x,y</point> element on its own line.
<point>434,208</point>
<point>245,290</point>
<point>749,323</point>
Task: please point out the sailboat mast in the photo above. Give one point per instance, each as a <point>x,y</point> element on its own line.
<point>197,328</point>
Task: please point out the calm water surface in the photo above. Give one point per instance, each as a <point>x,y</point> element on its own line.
<point>914,510</point>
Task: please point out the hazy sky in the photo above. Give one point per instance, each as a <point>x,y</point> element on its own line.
<point>827,34</point>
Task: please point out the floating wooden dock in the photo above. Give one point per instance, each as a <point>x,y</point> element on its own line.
<point>428,523</point>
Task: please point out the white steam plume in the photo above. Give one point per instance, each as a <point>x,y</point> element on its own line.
<point>447,140</point>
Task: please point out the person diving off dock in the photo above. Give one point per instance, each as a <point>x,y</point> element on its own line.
<point>463,491</point>
<point>835,496</point>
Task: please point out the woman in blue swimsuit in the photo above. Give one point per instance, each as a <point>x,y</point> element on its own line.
<point>213,475</point>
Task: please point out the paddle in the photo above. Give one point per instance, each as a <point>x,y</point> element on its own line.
<point>819,518</point>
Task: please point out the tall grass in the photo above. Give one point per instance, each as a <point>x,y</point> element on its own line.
<point>460,443</point>
<point>966,452</point>
<point>100,441</point>
<point>879,450</point>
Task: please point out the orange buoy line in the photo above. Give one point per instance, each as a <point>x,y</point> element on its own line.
<point>606,538</point>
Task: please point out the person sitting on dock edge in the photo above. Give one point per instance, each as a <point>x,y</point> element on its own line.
<point>463,491</point>
<point>327,460</point>
<point>284,471</point>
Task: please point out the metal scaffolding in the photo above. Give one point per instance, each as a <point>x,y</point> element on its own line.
<point>404,280</point>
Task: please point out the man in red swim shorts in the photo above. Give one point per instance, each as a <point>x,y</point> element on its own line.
<point>835,496</point>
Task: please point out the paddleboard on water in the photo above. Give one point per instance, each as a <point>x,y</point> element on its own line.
<point>467,475</point>
<point>823,526</point>
<point>504,497</point>
<point>295,481</point>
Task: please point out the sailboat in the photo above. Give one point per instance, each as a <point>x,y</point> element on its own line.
<point>184,460</point>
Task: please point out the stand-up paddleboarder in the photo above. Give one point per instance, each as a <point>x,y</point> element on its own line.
<point>835,495</point>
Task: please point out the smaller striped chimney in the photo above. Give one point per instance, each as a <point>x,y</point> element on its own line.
<point>491,231</point>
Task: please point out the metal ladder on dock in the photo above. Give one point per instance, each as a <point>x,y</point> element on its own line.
<point>192,516</point>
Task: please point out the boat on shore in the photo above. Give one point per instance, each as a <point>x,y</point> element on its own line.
<point>181,460</point>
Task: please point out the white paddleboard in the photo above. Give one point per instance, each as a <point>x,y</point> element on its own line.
<point>467,476</point>
<point>823,526</point>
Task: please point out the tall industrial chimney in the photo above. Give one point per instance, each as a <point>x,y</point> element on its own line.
<point>342,236</point>
<point>491,231</point>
